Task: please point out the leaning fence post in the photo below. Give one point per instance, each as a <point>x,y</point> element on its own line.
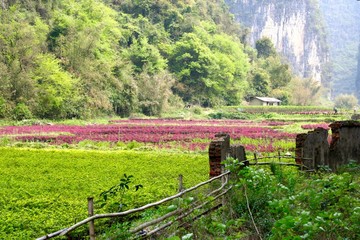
<point>91,213</point>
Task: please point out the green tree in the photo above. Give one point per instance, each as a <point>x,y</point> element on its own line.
<point>85,36</point>
<point>261,83</point>
<point>144,55</point>
<point>154,92</point>
<point>304,92</point>
<point>20,43</point>
<point>265,48</point>
<point>211,67</point>
<point>55,88</point>
<point>280,73</point>
<point>347,101</point>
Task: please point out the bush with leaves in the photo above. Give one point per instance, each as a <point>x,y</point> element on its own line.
<point>286,204</point>
<point>21,112</point>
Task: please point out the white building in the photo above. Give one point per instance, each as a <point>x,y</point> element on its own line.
<point>264,101</point>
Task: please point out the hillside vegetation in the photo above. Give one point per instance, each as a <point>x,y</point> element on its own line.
<point>80,59</point>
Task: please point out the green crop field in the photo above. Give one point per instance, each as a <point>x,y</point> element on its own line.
<point>42,191</point>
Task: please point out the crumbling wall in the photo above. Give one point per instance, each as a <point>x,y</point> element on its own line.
<point>345,143</point>
<point>313,149</point>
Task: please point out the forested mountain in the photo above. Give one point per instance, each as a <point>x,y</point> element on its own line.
<point>62,59</point>
<point>318,37</point>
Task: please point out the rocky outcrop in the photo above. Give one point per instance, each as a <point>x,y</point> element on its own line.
<point>294,26</point>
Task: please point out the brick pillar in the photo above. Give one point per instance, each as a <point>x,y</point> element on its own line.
<point>218,151</point>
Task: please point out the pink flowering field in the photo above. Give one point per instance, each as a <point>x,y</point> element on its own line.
<point>192,135</point>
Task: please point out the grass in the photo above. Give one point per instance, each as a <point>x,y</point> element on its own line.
<point>44,190</point>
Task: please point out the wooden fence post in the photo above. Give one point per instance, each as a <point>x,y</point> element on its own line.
<point>223,181</point>
<point>91,213</point>
<point>181,187</point>
<point>279,155</point>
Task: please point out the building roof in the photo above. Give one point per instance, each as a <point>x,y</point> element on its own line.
<point>268,99</point>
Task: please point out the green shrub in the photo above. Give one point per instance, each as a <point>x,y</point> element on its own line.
<point>21,112</point>
<point>285,204</point>
<point>228,115</point>
<point>197,110</point>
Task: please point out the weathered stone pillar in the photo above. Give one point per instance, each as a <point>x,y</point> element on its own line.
<point>238,152</point>
<point>345,143</point>
<point>312,148</point>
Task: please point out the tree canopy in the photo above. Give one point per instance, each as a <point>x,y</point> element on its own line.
<point>65,59</point>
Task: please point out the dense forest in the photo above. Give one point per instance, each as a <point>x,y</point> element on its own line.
<point>86,58</point>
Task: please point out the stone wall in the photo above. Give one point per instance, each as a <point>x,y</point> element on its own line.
<point>313,149</point>
<point>345,143</point>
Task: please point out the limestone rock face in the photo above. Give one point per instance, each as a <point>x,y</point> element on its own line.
<point>294,27</point>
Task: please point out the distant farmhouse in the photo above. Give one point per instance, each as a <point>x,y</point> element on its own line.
<point>264,101</point>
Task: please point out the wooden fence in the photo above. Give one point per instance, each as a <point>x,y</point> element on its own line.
<point>180,213</point>
<point>215,196</point>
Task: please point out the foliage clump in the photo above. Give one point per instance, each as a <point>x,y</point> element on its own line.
<point>285,204</point>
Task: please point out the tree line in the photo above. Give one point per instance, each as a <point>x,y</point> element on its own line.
<point>86,58</point>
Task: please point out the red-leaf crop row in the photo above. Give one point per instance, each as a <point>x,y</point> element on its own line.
<point>147,131</point>
<point>314,126</point>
